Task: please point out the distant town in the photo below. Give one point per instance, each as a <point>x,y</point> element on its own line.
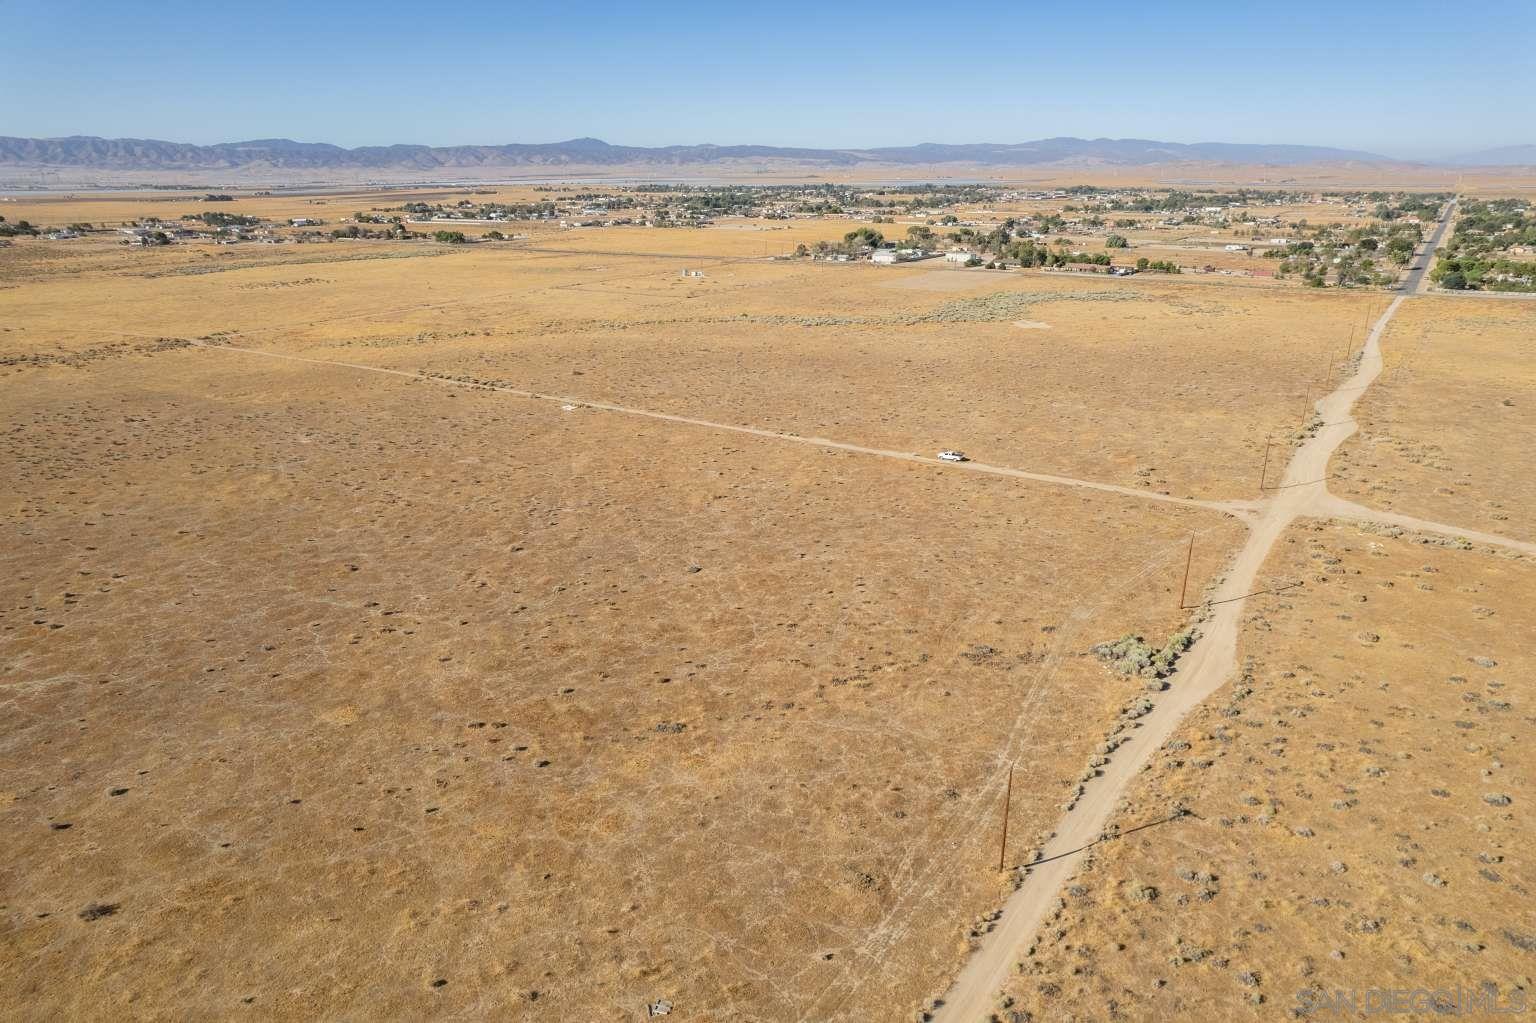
<point>1312,238</point>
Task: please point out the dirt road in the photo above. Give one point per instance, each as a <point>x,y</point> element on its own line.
<point>1239,509</point>
<point>1208,665</point>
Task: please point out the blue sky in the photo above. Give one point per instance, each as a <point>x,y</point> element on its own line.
<point>1406,78</point>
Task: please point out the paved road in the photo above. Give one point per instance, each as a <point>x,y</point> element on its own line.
<point>1414,283</point>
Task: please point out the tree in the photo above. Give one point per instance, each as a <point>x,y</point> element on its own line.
<point>864,236</point>
<point>1454,281</point>
<point>450,237</point>
<point>1116,241</point>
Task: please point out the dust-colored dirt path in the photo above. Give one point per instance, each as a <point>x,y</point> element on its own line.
<point>1239,509</point>
<point>1339,508</point>
<point>1208,665</point>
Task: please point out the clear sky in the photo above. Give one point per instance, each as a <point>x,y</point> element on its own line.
<point>1404,78</point>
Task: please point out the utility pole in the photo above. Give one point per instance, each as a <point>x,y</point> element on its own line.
<point>1188,560</point>
<point>1265,468</point>
<point>1002,853</point>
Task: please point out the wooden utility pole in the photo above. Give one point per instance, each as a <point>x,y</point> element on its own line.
<point>1265,468</point>
<point>1188,560</point>
<point>1002,853</point>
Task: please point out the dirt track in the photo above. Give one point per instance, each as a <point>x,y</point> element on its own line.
<point>1239,509</point>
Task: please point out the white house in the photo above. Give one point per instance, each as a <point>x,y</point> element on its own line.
<point>957,256</point>
<point>885,257</point>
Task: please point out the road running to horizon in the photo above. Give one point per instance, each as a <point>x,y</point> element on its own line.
<point>1414,284</point>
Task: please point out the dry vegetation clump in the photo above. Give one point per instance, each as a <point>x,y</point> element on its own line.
<point>1010,305</point>
<point>1131,655</point>
<point>1356,814</point>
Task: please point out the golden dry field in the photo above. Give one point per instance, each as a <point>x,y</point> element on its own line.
<point>1166,384</point>
<point>332,684</point>
<point>1446,433</point>
<point>1360,803</point>
<point>528,630</point>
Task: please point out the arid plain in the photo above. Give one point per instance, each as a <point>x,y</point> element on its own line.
<point>526,629</point>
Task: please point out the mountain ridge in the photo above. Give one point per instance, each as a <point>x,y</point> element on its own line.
<point>133,154</point>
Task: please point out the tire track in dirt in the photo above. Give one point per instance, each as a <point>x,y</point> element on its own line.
<point>1237,509</point>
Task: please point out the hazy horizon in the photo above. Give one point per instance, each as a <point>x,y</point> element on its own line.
<point>1372,77</point>
<point>1440,152</point>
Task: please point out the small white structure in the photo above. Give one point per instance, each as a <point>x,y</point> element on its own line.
<point>302,222</point>
<point>957,257</point>
<point>885,257</point>
<point>1236,248</point>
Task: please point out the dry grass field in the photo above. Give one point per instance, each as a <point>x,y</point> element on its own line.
<point>336,692</point>
<point>1446,433</point>
<point>374,645</point>
<point>1170,385</point>
<point>1360,801</point>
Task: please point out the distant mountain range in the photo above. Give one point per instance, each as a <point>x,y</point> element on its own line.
<point>89,152</point>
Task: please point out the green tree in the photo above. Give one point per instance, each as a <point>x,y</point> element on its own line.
<point>864,236</point>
